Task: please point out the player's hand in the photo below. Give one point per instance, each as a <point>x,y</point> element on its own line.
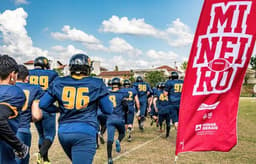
<point>23,153</point>
<point>138,114</point>
<point>149,109</point>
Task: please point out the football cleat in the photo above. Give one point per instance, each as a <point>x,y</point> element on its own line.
<point>118,146</point>
<point>39,159</point>
<point>110,161</point>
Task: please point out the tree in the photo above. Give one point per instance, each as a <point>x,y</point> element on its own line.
<point>154,77</point>
<point>116,68</point>
<point>184,65</point>
<point>253,62</point>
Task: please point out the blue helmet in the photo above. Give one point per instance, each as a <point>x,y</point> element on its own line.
<point>80,64</point>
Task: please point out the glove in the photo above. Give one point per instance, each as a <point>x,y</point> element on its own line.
<point>23,153</point>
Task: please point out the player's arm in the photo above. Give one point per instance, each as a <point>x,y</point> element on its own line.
<point>137,103</point>
<point>6,133</point>
<point>36,111</point>
<point>106,105</point>
<point>125,105</point>
<point>150,99</point>
<point>154,103</point>
<point>46,103</point>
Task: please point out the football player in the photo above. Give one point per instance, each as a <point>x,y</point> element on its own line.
<point>153,113</point>
<point>43,76</point>
<point>162,107</point>
<point>173,87</point>
<point>131,101</point>
<point>79,96</point>
<point>12,100</point>
<point>117,119</point>
<point>30,110</point>
<point>143,90</point>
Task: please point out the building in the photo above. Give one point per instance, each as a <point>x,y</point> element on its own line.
<point>108,75</point>
<point>170,70</point>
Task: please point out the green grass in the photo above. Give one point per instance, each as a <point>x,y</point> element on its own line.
<point>161,151</point>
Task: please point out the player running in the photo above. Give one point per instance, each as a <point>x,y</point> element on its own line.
<point>117,119</point>
<point>79,96</point>
<point>143,90</point>
<point>12,100</point>
<point>30,110</point>
<point>173,87</point>
<point>162,107</point>
<point>131,101</point>
<point>43,76</point>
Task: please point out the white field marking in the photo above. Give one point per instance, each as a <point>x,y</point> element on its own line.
<point>135,148</point>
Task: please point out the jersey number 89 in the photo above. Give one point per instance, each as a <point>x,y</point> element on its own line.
<point>75,98</point>
<point>41,80</point>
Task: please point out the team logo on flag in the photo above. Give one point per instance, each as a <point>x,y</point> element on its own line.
<point>222,50</point>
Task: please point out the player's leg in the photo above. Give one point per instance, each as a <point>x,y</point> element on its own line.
<point>160,122</point>
<point>7,155</point>
<point>66,143</point>
<point>130,119</point>
<point>174,115</point>
<point>39,128</point>
<point>110,139</point>
<point>143,107</point>
<point>49,128</point>
<point>121,134</point>
<point>168,125</point>
<point>25,137</point>
<point>83,148</point>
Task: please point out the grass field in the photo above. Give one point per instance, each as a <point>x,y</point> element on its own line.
<point>151,146</point>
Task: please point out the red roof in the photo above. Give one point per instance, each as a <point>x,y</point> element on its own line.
<point>115,73</point>
<point>29,62</point>
<point>169,69</point>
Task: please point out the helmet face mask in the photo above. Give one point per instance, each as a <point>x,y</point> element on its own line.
<point>42,62</point>
<point>174,75</point>
<point>126,83</point>
<point>80,64</point>
<point>139,79</point>
<point>116,82</point>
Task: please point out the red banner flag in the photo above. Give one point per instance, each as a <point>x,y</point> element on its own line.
<point>219,57</point>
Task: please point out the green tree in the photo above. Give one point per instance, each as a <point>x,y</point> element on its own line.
<point>184,65</point>
<point>154,77</point>
<point>253,62</point>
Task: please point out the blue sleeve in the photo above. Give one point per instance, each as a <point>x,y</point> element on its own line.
<point>106,105</point>
<point>39,92</point>
<point>167,86</point>
<point>46,103</point>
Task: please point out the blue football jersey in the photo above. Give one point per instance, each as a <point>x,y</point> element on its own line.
<point>131,99</point>
<point>32,93</point>
<point>14,97</point>
<point>162,102</point>
<point>174,89</point>
<point>142,88</point>
<point>78,99</point>
<point>42,77</point>
<point>116,97</point>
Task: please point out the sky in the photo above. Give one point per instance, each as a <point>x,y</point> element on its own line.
<point>132,34</point>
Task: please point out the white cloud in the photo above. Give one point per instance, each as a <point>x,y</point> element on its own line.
<point>74,35</point>
<point>119,45</point>
<point>64,53</point>
<point>19,2</point>
<point>177,34</point>
<point>16,41</point>
<point>125,26</point>
<point>161,55</point>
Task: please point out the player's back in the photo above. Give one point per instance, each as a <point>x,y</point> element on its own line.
<point>162,102</point>
<point>142,89</point>
<point>116,97</point>
<point>132,93</point>
<point>32,92</point>
<point>42,77</point>
<point>78,98</point>
<point>13,97</point>
<point>174,88</point>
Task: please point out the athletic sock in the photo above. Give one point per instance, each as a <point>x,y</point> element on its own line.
<point>44,149</point>
<point>109,149</point>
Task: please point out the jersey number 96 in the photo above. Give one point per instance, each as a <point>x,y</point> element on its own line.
<point>75,98</point>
